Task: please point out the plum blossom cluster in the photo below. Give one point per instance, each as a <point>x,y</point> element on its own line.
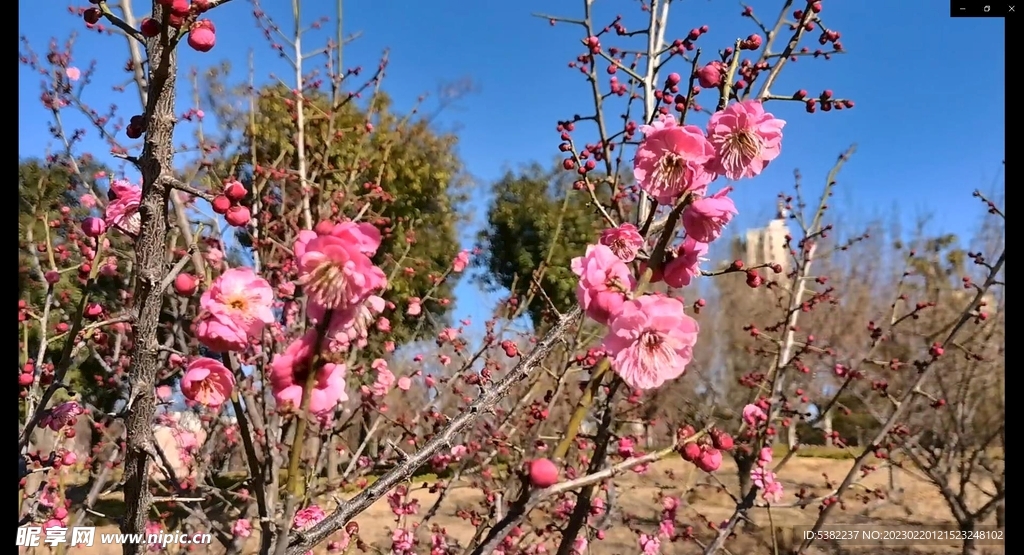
<point>234,310</point>
<point>307,518</point>
<point>706,452</point>
<point>201,33</point>
<point>755,418</point>
<point>122,212</point>
<point>340,281</point>
<point>228,203</point>
<point>62,417</point>
<point>764,479</point>
<point>650,340</point>
<point>334,267</point>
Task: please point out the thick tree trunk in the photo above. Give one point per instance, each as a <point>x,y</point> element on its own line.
<point>791,437</point>
<point>334,459</point>
<point>372,447</point>
<point>827,428</point>
<point>970,546</point>
<point>744,464</point>
<point>155,162</point>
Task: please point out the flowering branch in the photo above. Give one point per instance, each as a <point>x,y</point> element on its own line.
<point>531,499</point>
<point>295,489</point>
<point>902,404</point>
<point>581,510</point>
<point>303,541</point>
<point>120,23</point>
<point>66,357</point>
<point>730,76</point>
<point>782,359</point>
<point>249,315</point>
<point>186,188</point>
<point>794,41</point>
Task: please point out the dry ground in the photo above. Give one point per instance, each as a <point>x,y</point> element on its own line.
<point>918,504</point>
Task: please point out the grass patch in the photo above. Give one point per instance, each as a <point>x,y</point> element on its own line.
<point>818,452</point>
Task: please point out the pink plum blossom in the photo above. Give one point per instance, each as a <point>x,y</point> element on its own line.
<point>649,545</point>
<point>681,270</point>
<point>242,528</point>
<point>364,237</point>
<point>625,241</point>
<point>753,415</point>
<point>61,415</point>
<point>234,310</point>
<point>439,545</point>
<point>710,460</point>
<point>447,335</point>
<point>349,327</point>
<point>214,256</point>
<point>219,332</point>
<point>308,517</point>
<point>651,341</point>
<point>207,382</point>
<point>745,139</point>
<point>164,392</point>
<point>667,528</point>
<point>384,381</point>
<point>704,219</point>
<point>671,160</point>
<point>710,76</point>
<point>768,483</point>
<point>334,264</point>
<point>403,542</point>
<point>93,227</point>
<point>460,262</point>
<point>123,210</point>
<point>604,282</point>
<point>289,372</point>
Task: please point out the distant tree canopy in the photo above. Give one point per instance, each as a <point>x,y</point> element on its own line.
<point>42,190</point>
<point>391,170</point>
<point>45,188</point>
<point>536,221</point>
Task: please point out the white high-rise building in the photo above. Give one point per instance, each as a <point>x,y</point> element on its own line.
<point>767,245</point>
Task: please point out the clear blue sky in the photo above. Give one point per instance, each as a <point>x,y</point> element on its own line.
<point>929,119</point>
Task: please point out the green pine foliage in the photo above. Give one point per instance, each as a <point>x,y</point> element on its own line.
<point>537,221</point>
